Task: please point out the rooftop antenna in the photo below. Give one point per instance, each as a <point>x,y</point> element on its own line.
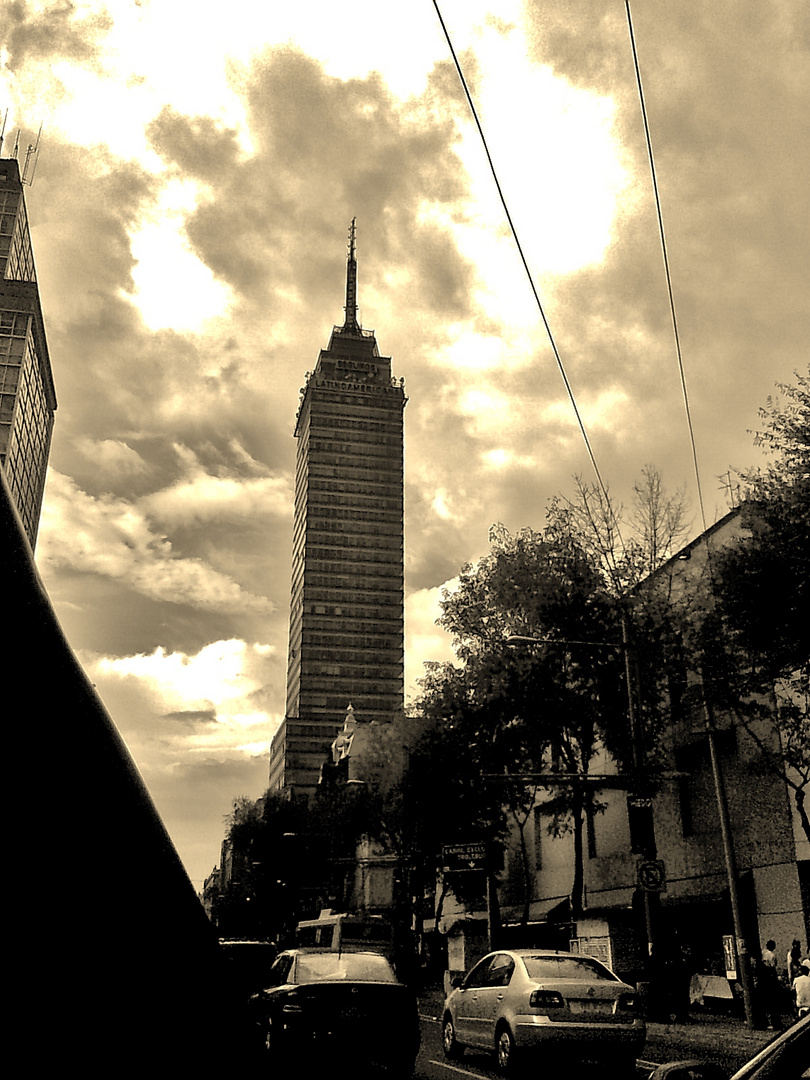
<point>31,152</point>
<point>350,322</point>
<point>16,149</point>
<point>3,132</point>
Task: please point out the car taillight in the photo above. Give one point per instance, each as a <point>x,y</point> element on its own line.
<point>546,999</point>
<point>291,1003</point>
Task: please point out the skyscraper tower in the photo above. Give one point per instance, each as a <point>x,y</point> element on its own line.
<point>346,644</point>
<point>27,397</point>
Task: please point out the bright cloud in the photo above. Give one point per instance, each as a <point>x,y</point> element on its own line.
<point>424,640</point>
<point>605,411</point>
<point>224,495</point>
<point>501,458</point>
<point>215,675</point>
<point>114,537</point>
<point>111,457</point>
<point>206,703</point>
<point>563,176</point>
<point>173,288</point>
<point>440,504</point>
<point>222,498</point>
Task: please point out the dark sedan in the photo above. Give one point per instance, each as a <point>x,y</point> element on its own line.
<point>332,1007</point>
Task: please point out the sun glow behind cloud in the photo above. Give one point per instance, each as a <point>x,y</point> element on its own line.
<point>552,143</point>
<point>173,288</point>
<point>211,695</point>
<point>555,153</point>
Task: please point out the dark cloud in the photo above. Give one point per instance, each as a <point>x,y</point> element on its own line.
<point>58,32</point>
<point>197,146</point>
<point>83,206</point>
<point>325,151</point>
<point>192,718</point>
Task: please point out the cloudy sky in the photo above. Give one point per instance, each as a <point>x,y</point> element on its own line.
<point>199,167</point>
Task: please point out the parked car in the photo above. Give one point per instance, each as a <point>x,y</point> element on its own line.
<point>326,1006</point>
<point>787,1057</point>
<point>521,1001</point>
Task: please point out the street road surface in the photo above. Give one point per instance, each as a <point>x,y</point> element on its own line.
<point>431,1064</point>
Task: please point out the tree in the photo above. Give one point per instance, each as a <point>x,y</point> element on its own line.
<point>509,713</point>
<point>756,639</point>
<point>763,579</point>
<point>271,872</point>
<point>297,856</point>
<point>550,709</point>
<point>655,525</point>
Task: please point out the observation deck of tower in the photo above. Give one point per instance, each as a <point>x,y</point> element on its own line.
<point>346,643</point>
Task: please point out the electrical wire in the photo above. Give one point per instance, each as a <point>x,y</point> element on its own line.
<point>667,272</point>
<point>557,357</point>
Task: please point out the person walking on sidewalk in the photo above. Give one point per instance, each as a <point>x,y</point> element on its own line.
<point>794,961</point>
<point>801,990</point>
<point>770,990</point>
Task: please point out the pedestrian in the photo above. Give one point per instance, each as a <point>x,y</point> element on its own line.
<point>794,961</point>
<point>801,990</point>
<point>769,954</point>
<point>681,980</point>
<point>672,966</point>
<point>770,990</point>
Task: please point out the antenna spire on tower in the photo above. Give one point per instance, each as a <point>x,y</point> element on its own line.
<point>351,322</point>
<point>31,153</point>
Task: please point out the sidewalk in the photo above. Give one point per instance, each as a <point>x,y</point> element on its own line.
<point>705,1029</point>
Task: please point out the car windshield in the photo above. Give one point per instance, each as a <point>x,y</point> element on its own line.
<point>549,968</point>
<point>353,967</point>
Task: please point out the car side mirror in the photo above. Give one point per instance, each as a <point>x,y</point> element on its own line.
<point>689,1070</point>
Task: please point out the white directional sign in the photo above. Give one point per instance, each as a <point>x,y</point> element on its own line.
<point>464,856</point>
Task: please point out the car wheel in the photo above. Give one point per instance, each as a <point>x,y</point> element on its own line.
<point>450,1045</point>
<point>506,1051</point>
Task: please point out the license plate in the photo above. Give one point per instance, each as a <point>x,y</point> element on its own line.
<point>590,1008</point>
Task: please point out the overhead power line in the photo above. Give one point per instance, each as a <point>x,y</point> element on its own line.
<point>536,295</point>
<point>667,272</point>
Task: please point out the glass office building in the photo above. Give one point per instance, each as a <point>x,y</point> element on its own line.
<point>346,644</point>
<point>27,397</point>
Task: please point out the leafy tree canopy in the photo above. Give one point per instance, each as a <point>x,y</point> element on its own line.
<point>763,579</point>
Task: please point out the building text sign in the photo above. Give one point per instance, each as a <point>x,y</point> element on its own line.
<point>464,856</point>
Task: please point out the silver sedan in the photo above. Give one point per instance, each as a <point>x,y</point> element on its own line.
<point>518,1001</point>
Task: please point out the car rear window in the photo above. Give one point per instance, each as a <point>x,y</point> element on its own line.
<point>353,967</point>
<point>549,968</point>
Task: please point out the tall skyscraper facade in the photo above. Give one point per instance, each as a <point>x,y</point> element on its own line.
<point>27,396</point>
<point>346,644</point>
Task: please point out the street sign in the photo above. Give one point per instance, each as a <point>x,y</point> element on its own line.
<point>464,856</point>
<point>730,955</point>
<point>652,875</point>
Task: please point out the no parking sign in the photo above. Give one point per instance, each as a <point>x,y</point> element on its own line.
<point>652,875</point>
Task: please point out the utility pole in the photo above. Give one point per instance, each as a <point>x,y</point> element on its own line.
<point>644,809</point>
<point>743,956</point>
